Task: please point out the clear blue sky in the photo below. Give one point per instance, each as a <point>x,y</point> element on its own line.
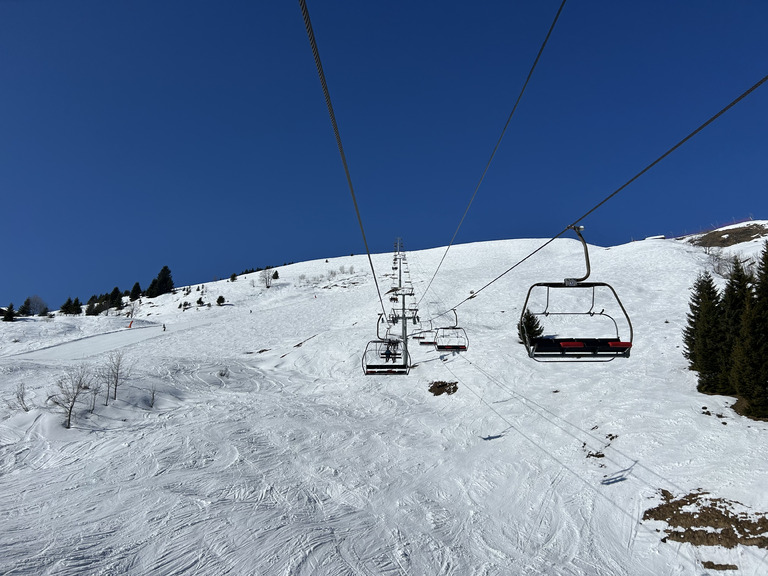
<point>143,133</point>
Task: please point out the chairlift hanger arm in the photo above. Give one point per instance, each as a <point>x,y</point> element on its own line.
<point>578,230</point>
<point>379,322</point>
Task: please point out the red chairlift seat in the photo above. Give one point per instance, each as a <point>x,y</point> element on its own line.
<point>580,348</point>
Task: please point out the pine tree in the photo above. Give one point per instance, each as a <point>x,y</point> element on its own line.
<point>152,290</point>
<point>749,373</point>
<point>708,344</point>
<point>760,401</point>
<point>163,284</point>
<point>737,293</point>
<point>529,328</point>
<point>164,281</point>
<point>66,308</point>
<point>116,299</point>
<point>26,308</point>
<point>9,314</point>
<point>135,292</point>
<point>744,365</point>
<point>77,308</point>
<point>703,290</point>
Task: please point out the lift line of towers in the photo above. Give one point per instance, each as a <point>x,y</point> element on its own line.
<point>388,354</point>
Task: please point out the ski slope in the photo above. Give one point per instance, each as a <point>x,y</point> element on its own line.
<point>267,450</point>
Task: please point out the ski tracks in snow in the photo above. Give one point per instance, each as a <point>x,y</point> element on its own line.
<point>261,457</point>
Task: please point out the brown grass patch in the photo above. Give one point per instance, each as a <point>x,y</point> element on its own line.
<point>712,566</point>
<point>701,520</point>
<point>723,238</point>
<point>742,408</point>
<point>439,387</point>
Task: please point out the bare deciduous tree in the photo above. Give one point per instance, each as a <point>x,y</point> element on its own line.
<point>20,399</point>
<point>266,277</point>
<point>94,390</point>
<point>132,308</point>
<point>152,392</point>
<point>112,373</point>
<point>36,305</point>
<point>69,388</point>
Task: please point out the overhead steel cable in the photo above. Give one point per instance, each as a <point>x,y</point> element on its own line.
<point>620,188</point>
<point>332,115</point>
<point>495,148</point>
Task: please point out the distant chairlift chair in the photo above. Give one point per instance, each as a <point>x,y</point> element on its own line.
<point>452,338</point>
<point>425,337</point>
<point>580,346</point>
<point>385,355</point>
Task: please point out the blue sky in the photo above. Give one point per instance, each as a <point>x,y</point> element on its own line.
<point>137,134</point>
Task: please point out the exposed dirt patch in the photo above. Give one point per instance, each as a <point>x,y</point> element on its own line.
<point>741,407</point>
<point>712,566</point>
<point>300,344</point>
<point>723,238</point>
<point>701,520</point>
<point>439,387</point>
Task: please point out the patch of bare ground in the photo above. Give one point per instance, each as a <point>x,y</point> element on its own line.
<point>712,566</point>
<point>439,387</point>
<point>731,236</point>
<point>741,407</point>
<point>702,520</point>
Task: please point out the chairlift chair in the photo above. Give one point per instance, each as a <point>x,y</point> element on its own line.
<point>452,338</point>
<point>594,332</point>
<point>425,337</point>
<point>385,354</point>
<point>385,357</point>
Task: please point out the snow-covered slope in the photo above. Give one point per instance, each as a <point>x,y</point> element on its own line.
<point>267,450</point>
